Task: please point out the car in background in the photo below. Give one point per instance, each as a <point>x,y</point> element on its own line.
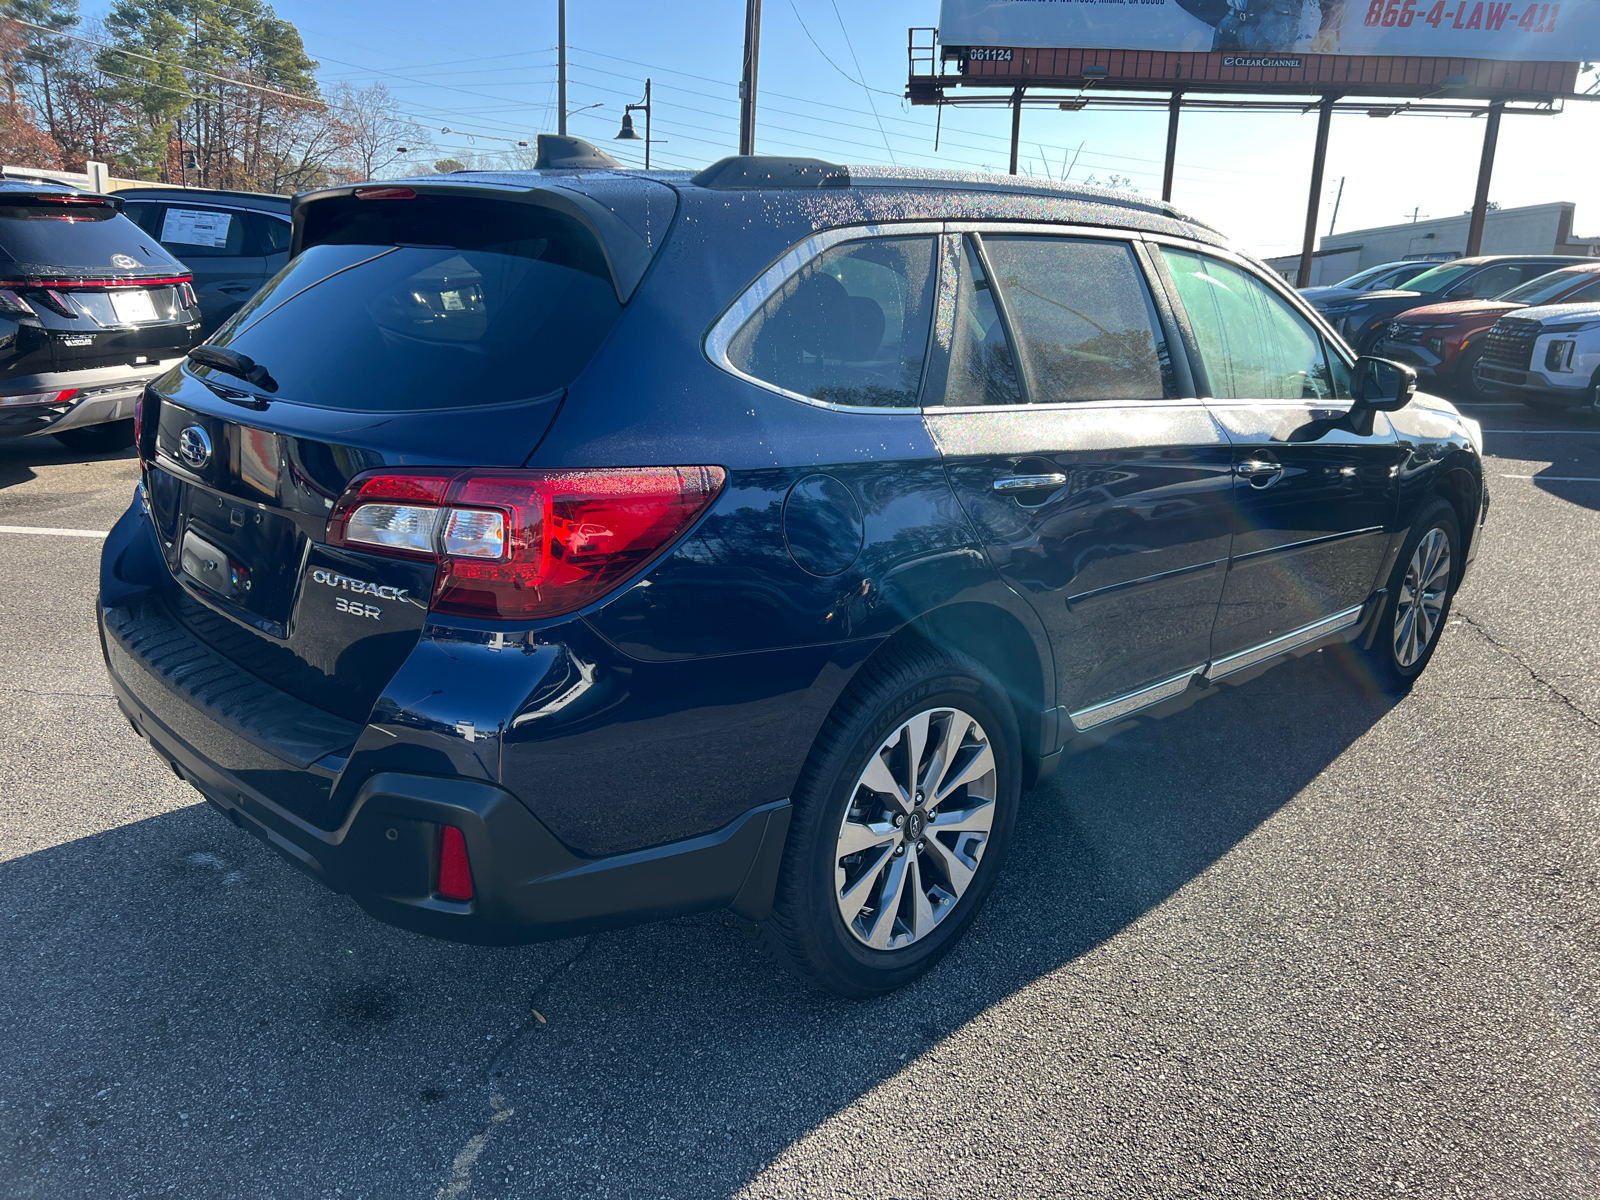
<point>543,553</point>
<point>1373,279</point>
<point>1547,357</point>
<point>232,242</point>
<point>1362,319</point>
<point>91,309</point>
<point>1443,342</point>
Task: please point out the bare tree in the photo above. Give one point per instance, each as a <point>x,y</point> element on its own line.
<point>376,138</point>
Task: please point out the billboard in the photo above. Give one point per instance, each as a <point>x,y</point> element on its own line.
<point>1476,29</point>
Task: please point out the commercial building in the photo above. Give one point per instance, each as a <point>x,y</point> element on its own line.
<point>1536,229</point>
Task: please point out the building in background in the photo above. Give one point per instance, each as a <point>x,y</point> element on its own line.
<point>1536,229</point>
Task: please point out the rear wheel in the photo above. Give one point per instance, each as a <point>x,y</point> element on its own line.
<point>98,439</point>
<point>902,819</point>
<point>1421,588</point>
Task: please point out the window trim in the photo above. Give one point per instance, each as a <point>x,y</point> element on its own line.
<point>720,336</point>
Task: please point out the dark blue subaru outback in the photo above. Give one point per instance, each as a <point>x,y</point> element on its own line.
<point>543,552</point>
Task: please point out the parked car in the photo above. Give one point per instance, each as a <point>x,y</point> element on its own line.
<point>1547,357</point>
<point>1373,279</point>
<point>1363,319</point>
<point>232,242</point>
<point>1443,342</point>
<point>91,308</point>
<point>543,553</point>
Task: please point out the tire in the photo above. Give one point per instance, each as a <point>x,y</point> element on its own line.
<point>1408,631</point>
<point>1592,404</point>
<point>869,735</point>
<point>1468,386</point>
<point>98,439</point>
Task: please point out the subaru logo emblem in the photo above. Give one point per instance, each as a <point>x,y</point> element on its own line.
<point>194,446</point>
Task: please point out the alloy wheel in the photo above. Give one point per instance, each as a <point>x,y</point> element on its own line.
<point>1422,597</point>
<point>915,829</point>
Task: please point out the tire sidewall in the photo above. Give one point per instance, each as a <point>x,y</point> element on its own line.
<point>1437,515</point>
<point>948,685</point>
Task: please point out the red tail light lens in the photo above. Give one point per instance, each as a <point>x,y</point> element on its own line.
<point>455,873</point>
<point>524,544</point>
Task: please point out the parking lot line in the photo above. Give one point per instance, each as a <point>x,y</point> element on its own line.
<point>1542,430</point>
<point>50,532</point>
<point>1557,478</point>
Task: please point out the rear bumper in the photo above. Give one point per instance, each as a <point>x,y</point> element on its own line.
<point>241,743</point>
<point>104,394</point>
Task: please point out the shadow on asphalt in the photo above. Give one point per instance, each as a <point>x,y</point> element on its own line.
<point>181,968</point>
<point>18,457</point>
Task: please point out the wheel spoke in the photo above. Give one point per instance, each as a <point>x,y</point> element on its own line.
<point>916,730</point>
<point>977,819</point>
<point>894,886</point>
<point>851,901</point>
<point>921,910</point>
<point>955,730</point>
<point>955,867</point>
<point>859,835</point>
<point>880,779</point>
<point>975,768</point>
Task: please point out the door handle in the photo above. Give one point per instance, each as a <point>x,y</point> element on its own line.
<point>233,289</point>
<point>1029,483</point>
<point>1260,472</point>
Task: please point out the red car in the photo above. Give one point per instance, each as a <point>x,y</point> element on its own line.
<point>1444,341</point>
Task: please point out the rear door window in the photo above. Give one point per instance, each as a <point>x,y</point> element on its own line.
<point>850,327</point>
<point>979,368</point>
<point>272,232</point>
<point>191,231</point>
<point>429,303</point>
<point>1082,316</point>
<point>1253,345</point>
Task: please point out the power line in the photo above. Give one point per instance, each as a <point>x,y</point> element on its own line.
<point>872,104</point>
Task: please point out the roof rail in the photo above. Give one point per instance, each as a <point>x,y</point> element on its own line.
<point>763,171</point>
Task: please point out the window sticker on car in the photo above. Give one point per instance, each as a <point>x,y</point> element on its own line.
<point>191,227</point>
<point>133,307</point>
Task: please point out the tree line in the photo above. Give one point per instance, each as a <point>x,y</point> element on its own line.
<point>202,92</point>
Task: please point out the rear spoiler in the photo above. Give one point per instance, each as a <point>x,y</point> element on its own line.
<point>627,251</point>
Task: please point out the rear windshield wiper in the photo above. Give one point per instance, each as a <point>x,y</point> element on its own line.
<point>231,362</point>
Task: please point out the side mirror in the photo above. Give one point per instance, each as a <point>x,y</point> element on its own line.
<point>1379,385</point>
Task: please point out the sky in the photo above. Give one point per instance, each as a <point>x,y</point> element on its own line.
<point>831,81</point>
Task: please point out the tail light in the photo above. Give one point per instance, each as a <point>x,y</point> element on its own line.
<point>523,544</point>
<point>53,397</point>
<point>186,291</point>
<point>455,873</point>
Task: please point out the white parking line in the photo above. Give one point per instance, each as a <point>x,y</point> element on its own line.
<point>1557,478</point>
<point>48,532</point>
<point>1542,430</point>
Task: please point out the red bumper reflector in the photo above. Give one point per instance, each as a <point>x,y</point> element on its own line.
<point>455,876</point>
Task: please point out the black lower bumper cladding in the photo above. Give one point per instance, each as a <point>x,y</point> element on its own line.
<point>202,715</point>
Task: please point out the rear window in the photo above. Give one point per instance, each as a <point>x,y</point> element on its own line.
<point>1547,287</point>
<point>436,302</point>
<point>76,238</point>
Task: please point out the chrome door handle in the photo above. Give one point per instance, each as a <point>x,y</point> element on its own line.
<point>1260,472</point>
<point>1028,483</point>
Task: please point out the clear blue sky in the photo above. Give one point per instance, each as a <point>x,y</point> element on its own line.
<point>489,67</point>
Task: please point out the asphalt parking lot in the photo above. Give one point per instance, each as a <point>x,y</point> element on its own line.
<point>1299,940</point>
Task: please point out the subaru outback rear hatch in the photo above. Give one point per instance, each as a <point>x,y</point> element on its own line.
<point>419,328</point>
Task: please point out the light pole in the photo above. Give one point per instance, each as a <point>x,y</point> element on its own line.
<point>561,69</point>
<point>747,80</point>
<point>629,134</point>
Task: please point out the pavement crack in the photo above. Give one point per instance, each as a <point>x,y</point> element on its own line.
<point>1483,631</point>
<point>461,1166</point>
<point>529,1021</point>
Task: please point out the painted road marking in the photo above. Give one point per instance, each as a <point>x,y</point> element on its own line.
<point>1557,478</point>
<point>48,532</point>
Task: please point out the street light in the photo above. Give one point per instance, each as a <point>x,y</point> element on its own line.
<point>629,134</point>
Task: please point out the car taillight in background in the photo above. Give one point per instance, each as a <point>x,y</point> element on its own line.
<point>523,544</point>
<point>55,397</point>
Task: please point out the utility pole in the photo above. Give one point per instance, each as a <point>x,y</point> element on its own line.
<point>1480,201</point>
<point>561,67</point>
<point>1336,200</point>
<point>747,81</point>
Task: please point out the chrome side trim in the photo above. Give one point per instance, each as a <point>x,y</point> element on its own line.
<point>1281,645</point>
<point>774,277</point>
<point>1286,547</point>
<point>1098,714</point>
